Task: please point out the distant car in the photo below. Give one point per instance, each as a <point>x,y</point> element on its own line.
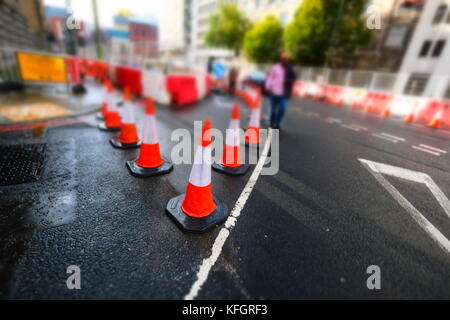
<point>257,78</point>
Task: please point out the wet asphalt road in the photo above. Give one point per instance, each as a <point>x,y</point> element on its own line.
<point>310,232</point>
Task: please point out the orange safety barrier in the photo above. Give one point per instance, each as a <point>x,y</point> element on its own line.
<point>182,89</point>
<point>429,113</point>
<point>379,103</point>
<point>442,117</point>
<point>131,78</point>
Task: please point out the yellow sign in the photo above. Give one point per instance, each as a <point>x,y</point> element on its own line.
<point>41,68</point>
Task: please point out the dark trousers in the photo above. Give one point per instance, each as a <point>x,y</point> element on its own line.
<point>278,109</point>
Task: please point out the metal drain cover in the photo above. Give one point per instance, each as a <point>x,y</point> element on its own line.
<point>21,163</point>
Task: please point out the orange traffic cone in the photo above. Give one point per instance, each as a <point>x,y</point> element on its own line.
<point>386,112</point>
<point>150,163</point>
<point>252,136</point>
<point>112,119</point>
<point>197,210</point>
<point>102,115</point>
<point>410,117</point>
<point>436,121</point>
<point>231,162</point>
<point>128,138</point>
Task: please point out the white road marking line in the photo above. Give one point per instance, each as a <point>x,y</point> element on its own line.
<point>433,148</point>
<point>393,137</point>
<point>426,150</point>
<point>334,120</point>
<point>208,263</point>
<point>223,103</point>
<point>378,169</point>
<point>360,127</point>
<point>350,127</point>
<point>385,138</point>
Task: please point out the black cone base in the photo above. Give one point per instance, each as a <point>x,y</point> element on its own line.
<point>236,171</point>
<point>196,225</point>
<point>103,127</point>
<point>119,145</point>
<point>79,89</point>
<point>141,172</point>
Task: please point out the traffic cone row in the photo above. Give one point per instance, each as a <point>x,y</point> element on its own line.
<point>112,116</point>
<point>102,115</point>
<point>197,210</point>
<point>128,138</point>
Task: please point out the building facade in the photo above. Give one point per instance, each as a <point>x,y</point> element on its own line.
<point>427,60</point>
<point>200,53</point>
<point>398,20</point>
<point>259,9</point>
<point>134,39</point>
<point>175,25</point>
<point>144,36</point>
<point>22,24</point>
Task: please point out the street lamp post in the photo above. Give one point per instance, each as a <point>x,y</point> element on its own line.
<point>97,30</point>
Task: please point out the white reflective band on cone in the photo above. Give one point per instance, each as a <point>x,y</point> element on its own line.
<point>255,117</point>
<point>233,134</point>
<point>112,102</point>
<point>105,94</point>
<point>150,135</point>
<point>201,169</point>
<point>127,113</point>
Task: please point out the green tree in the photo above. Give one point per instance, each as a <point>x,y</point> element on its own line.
<point>226,28</point>
<point>263,43</point>
<point>327,31</point>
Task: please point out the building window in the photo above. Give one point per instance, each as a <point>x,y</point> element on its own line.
<point>438,48</point>
<point>426,46</point>
<point>447,92</point>
<point>417,84</point>
<point>440,14</point>
<point>396,36</point>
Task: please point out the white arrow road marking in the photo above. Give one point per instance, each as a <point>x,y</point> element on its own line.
<point>208,263</point>
<point>379,169</point>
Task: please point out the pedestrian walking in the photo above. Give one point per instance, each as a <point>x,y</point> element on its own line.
<point>233,78</point>
<point>280,84</point>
